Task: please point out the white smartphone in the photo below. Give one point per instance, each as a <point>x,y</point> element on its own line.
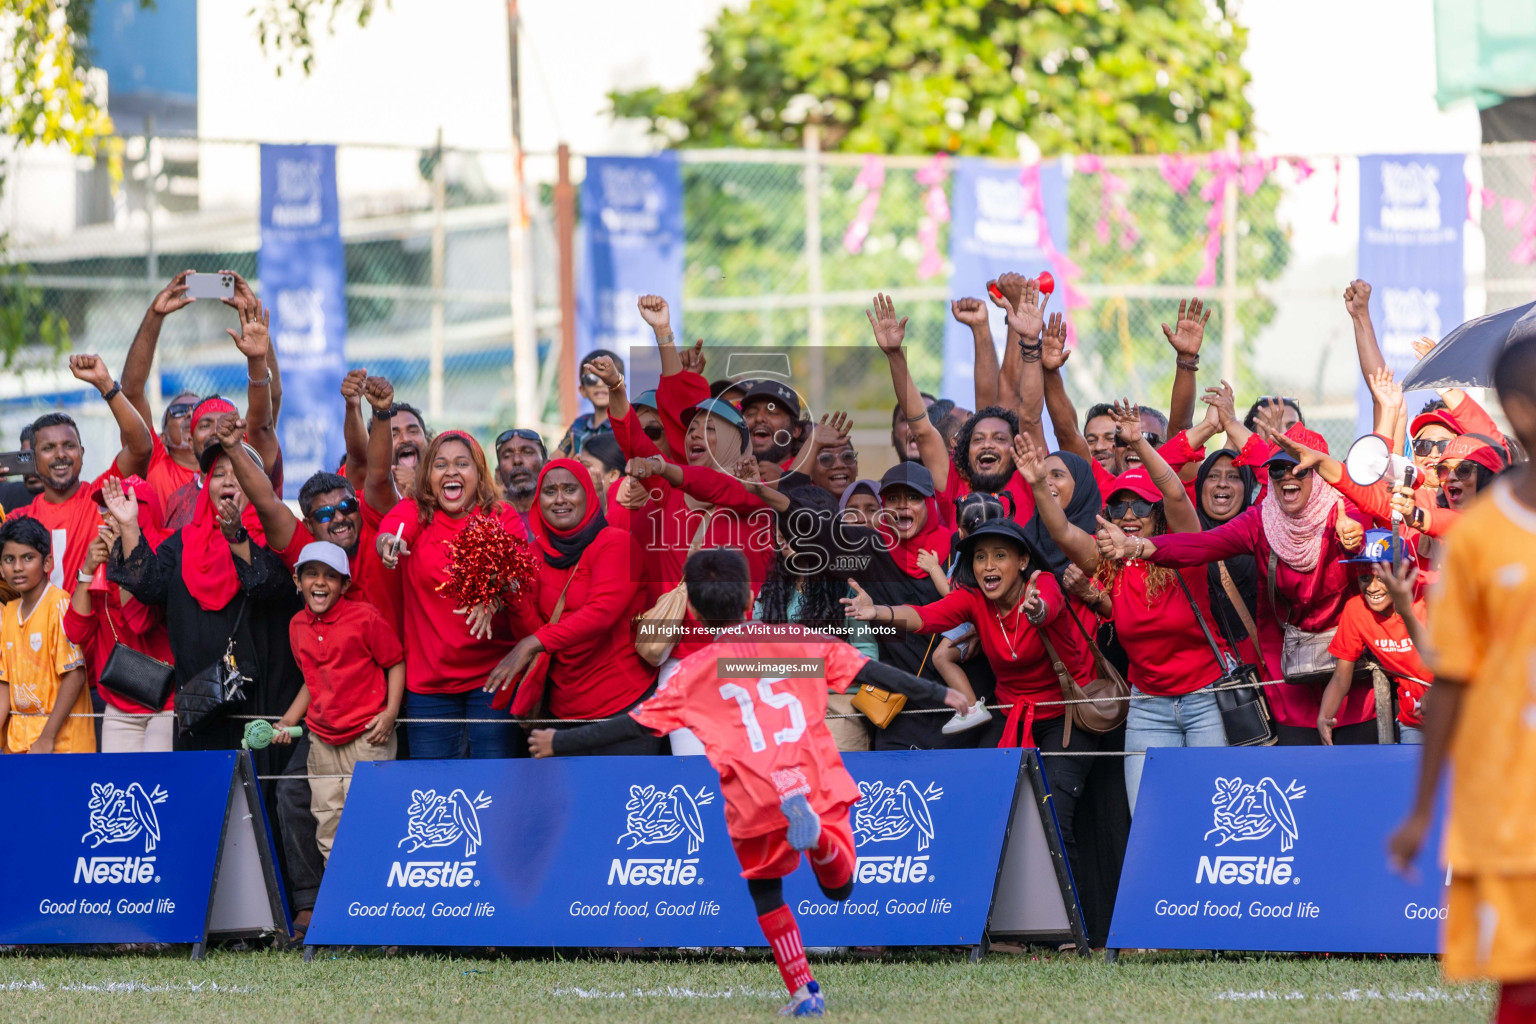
<point>211,286</point>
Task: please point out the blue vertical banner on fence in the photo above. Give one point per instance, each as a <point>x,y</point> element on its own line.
<point>632,221</point>
<point>1412,209</point>
<point>303,274</point>
<point>995,227</point>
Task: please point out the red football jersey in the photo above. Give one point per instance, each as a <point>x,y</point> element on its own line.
<point>766,735</point>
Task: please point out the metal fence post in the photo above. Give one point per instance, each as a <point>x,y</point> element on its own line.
<point>816,327</point>
<point>152,253</point>
<point>439,258</point>
<point>565,240</point>
<point>1229,325</point>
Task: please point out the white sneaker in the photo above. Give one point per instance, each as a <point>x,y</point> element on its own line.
<point>976,715</point>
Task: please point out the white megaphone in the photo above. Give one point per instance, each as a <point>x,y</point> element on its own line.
<point>1371,460</point>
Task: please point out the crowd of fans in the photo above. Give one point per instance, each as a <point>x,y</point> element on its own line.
<point>1014,567</point>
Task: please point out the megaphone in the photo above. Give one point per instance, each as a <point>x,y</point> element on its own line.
<point>1371,460</point>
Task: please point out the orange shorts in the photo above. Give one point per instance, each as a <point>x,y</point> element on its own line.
<point>770,856</point>
<point>1490,928</point>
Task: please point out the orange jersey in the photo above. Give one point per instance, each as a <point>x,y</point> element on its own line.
<point>765,734</point>
<point>34,655</point>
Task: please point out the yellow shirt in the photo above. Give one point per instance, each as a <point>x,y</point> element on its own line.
<point>1482,618</point>
<point>34,655</point>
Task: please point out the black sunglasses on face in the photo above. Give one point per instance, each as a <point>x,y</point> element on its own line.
<point>848,457</point>
<point>655,431</point>
<point>180,409</point>
<point>522,432</point>
<point>325,513</point>
<point>1278,470</point>
<point>591,380</point>
<point>1424,447</point>
<point>1138,507</point>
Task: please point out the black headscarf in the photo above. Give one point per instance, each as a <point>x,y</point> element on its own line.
<point>1242,568</point>
<point>1082,512</point>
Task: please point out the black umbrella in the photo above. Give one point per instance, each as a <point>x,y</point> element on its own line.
<point>1464,358</point>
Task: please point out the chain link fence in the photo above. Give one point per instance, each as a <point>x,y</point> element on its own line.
<point>766,265</point>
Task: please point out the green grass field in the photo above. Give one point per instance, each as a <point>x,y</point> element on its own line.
<point>1189,989</point>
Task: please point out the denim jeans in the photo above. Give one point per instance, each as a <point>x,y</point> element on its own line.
<point>439,741</point>
<point>1410,734</point>
<point>1192,720</point>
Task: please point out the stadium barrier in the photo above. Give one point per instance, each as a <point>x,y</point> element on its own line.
<point>1277,849</point>
<point>138,848</point>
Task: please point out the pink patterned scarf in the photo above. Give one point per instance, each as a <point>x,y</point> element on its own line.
<point>1298,539</point>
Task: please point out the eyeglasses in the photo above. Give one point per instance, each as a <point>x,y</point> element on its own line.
<point>325,513</point>
<point>591,380</point>
<point>846,457</point>
<point>180,409</point>
<point>1141,508</point>
<point>1424,447</point>
<point>522,432</point>
<point>655,431</point>
<point>1278,470</point>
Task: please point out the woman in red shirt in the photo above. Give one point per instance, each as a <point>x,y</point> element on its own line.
<point>591,572</point>
<point>1171,664</point>
<point>446,662</point>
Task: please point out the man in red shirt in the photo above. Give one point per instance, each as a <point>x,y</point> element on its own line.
<point>786,790</point>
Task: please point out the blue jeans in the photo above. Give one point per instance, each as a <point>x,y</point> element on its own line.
<point>1192,720</point>
<point>437,741</point>
<point>1410,734</point>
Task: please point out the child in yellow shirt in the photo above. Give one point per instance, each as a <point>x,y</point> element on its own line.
<point>42,674</point>
<point>1481,712</point>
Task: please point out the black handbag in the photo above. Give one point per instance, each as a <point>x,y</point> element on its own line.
<point>212,694</point>
<point>135,675</point>
<point>1244,708</point>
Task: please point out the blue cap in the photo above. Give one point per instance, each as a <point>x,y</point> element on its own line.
<point>647,399</point>
<point>1378,549</point>
<point>725,410</point>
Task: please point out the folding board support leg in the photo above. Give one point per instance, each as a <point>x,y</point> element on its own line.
<point>199,950</point>
<point>1111,956</point>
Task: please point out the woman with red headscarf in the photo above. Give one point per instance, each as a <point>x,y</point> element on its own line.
<point>591,575</point>
<point>447,655</point>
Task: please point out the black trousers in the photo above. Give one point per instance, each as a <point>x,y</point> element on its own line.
<point>1343,735</point>
<point>302,864</point>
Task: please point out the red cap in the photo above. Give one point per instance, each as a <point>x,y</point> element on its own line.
<point>1136,480</point>
<point>1439,416</point>
<point>134,485</point>
<point>1311,438</point>
<point>1470,449</point>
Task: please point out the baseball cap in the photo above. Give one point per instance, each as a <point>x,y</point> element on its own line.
<point>1467,448</point>
<point>1136,480</point>
<point>725,410</point>
<point>775,391</point>
<point>646,398</point>
<point>1303,436</point>
<point>908,474</point>
<point>134,485</point>
<point>326,553</point>
<point>1378,548</point>
<point>1438,416</point>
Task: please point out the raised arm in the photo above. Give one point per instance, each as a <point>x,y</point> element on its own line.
<point>138,443</point>
<point>862,608</point>
<point>1185,336</point>
<point>618,396</point>
<point>1357,302</point>
<point>355,425</point>
<point>973,314</point>
<point>1177,508</point>
<point>1078,546</point>
<point>140,360</point>
<point>889,334</point>
<point>379,483</point>
<point>1389,413</point>
<point>1224,402</point>
<point>830,432</point>
<point>254,341</point>
<point>1053,356</point>
<point>1026,322</point>
<point>278,522</point>
<point>654,311</point>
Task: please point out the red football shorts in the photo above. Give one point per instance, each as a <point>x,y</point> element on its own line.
<point>770,856</point>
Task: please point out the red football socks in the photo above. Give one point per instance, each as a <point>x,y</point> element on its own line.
<point>1517,1003</point>
<point>831,865</point>
<point>784,939</point>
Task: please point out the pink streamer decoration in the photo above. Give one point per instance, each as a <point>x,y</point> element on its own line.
<point>1333,218</point>
<point>872,179</point>
<point>935,212</point>
<point>1525,252</point>
<point>1063,268</point>
<point>1178,171</point>
<point>1487,198</point>
<point>1512,210</point>
<point>1303,169</point>
<point>1087,163</point>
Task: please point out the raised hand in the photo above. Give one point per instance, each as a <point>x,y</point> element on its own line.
<point>379,392</point>
<point>693,359</point>
<point>1028,460</point>
<point>1423,347</point>
<point>1224,401</point>
<point>1385,388</point>
<point>1026,317</point>
<point>928,561</point>
<point>244,295</point>
<point>1401,582</point>
<point>889,332</point>
<point>747,470</point>
<point>123,508</point>
<point>1011,285</point>
<point>1113,542</point>
<point>93,370</point>
<point>1306,458</point>
<point>253,339</point>
<point>100,549</point>
<point>1189,331</point>
<point>654,311</point>
<point>1127,416</point>
<point>1033,604</point>
<point>229,428</point>
<point>392,547</point>
<point>1270,418</point>
<point>971,312</point>
<point>173,296</point>
<point>832,430</point>
<point>229,519</point>
<point>860,606</point>
<point>352,386</point>
<point>1053,352</point>
<point>606,371</point>
<point>1350,533</point>
<point>1357,299</point>
<point>405,480</point>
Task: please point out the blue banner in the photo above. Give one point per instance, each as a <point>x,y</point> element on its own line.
<point>632,222</point>
<point>1412,209</point>
<point>116,847</point>
<point>633,851</point>
<point>1276,848</point>
<point>303,276</point>
<point>994,229</point>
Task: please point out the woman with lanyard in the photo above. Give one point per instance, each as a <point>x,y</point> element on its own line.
<point>1299,534</point>
<point>589,587</point>
<point>449,651</point>
<point>1171,665</point>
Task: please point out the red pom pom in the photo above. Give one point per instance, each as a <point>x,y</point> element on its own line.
<point>1046,282</point>
<point>485,561</point>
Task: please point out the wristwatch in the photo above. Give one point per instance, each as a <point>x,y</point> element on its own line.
<point>85,577</point>
<point>117,389</point>
<point>384,415</point>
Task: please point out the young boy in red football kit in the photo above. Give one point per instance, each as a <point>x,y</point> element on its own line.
<point>786,790</point>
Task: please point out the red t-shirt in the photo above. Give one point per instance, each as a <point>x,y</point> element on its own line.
<point>767,736</point>
<point>344,656</point>
<point>1012,644</point>
<point>73,525</point>
<point>1169,655</point>
<point>365,565</point>
<point>440,654</point>
<point>166,476</point>
<point>139,626</point>
<point>1016,488</point>
<point>1385,635</point>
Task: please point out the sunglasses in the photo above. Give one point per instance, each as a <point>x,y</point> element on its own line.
<point>522,432</point>
<point>655,431</point>
<point>325,513</point>
<point>846,457</point>
<point>180,409</point>
<point>1425,447</point>
<point>1141,508</point>
<point>591,380</point>
<point>1278,471</point>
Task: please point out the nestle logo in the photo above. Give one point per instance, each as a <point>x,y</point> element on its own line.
<point>1229,870</point>
<point>892,869</point>
<point>115,870</point>
<point>428,874</point>
<point>654,871</point>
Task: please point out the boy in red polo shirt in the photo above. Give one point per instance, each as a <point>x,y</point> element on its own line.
<point>354,681</point>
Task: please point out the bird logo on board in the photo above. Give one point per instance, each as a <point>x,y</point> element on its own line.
<point>888,813</point>
<point>434,820</point>
<point>1246,811</point>
<point>121,815</point>
<point>654,816</point>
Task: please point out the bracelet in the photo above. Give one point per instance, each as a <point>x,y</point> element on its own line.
<point>85,577</point>
<point>260,383</point>
<point>1192,363</point>
<point>1141,545</point>
<point>918,418</point>
<point>384,415</point>
<point>117,389</point>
